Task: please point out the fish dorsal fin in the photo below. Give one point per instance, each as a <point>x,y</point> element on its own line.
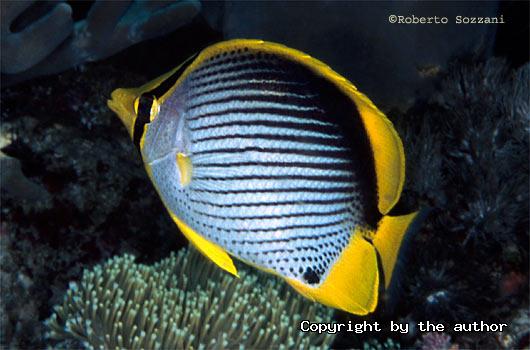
<point>389,157</point>
<point>352,284</point>
<point>211,250</point>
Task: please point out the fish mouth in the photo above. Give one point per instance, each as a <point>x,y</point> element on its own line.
<point>122,103</point>
<point>112,105</point>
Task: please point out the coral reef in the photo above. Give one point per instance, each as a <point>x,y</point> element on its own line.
<point>90,200</point>
<point>388,344</point>
<point>467,149</point>
<point>19,309</point>
<point>14,181</point>
<point>480,115</point>
<point>94,199</point>
<point>182,302</point>
<point>32,47</point>
<point>436,341</point>
<point>517,335</point>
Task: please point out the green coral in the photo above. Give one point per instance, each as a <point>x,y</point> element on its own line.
<point>181,302</point>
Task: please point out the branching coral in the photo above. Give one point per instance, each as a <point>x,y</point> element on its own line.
<point>467,152</point>
<point>471,146</point>
<point>182,302</point>
<point>54,43</point>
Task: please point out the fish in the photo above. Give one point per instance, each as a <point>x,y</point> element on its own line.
<point>263,153</point>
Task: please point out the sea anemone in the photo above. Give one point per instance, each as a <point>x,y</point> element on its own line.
<point>181,302</point>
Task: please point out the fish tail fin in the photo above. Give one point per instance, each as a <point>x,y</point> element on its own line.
<point>391,233</point>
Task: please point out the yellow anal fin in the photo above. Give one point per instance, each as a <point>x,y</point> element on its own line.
<point>211,250</point>
<point>185,169</point>
<point>388,240</point>
<point>352,284</point>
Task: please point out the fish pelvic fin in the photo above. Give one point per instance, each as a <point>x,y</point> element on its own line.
<point>388,240</point>
<point>352,284</point>
<point>211,250</point>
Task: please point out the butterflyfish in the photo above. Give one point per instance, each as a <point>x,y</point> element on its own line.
<point>262,153</point>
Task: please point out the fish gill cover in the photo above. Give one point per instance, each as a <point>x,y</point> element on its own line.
<point>74,194</point>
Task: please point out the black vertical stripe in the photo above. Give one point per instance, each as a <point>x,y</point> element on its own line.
<point>144,115</point>
<point>146,101</point>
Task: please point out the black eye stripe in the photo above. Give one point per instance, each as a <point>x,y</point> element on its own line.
<point>146,101</point>
<point>144,113</point>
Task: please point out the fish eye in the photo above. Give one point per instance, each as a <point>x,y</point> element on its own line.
<point>155,109</point>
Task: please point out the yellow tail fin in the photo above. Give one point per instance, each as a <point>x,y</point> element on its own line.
<point>388,240</point>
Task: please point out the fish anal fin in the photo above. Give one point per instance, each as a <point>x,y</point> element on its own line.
<point>211,250</point>
<point>352,284</point>
<point>388,240</point>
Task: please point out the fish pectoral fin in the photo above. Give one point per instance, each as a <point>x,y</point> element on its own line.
<point>185,168</point>
<point>352,284</point>
<point>388,240</point>
<point>211,250</point>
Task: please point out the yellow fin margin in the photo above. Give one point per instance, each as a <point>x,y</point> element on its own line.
<point>389,156</point>
<point>352,284</point>
<point>211,250</point>
<point>388,240</point>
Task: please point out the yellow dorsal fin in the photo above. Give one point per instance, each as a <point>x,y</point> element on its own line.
<point>389,157</point>
<point>211,250</point>
<point>352,284</point>
<point>388,240</point>
<point>185,168</point>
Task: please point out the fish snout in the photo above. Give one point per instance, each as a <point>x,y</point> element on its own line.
<point>122,103</point>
